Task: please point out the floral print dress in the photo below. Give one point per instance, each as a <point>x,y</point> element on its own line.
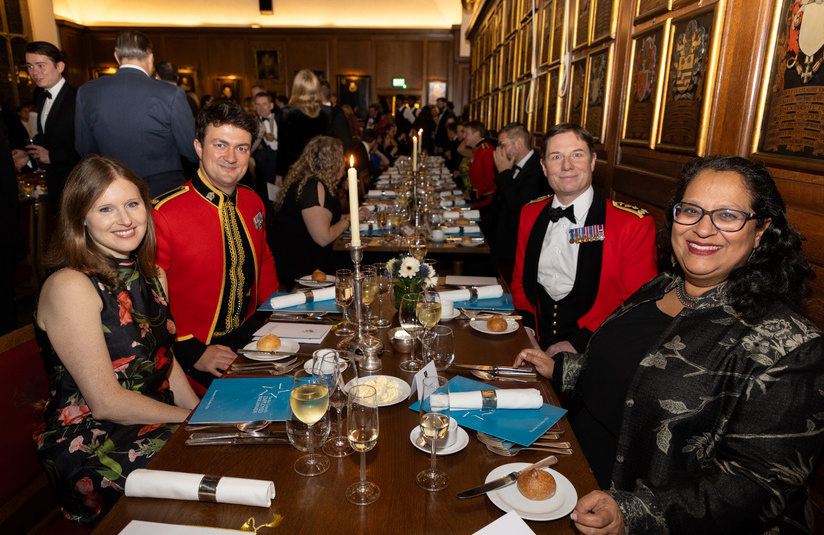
<point>88,460</point>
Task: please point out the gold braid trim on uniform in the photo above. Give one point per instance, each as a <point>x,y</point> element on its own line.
<point>640,212</point>
<point>237,257</point>
<point>540,199</point>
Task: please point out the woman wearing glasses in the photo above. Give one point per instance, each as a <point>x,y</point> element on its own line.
<point>702,396</point>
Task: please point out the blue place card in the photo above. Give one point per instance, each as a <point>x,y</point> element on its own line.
<point>521,426</point>
<point>244,400</point>
<point>499,303</point>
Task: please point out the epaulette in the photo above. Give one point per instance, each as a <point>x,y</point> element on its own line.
<point>541,199</point>
<point>245,186</point>
<point>640,212</point>
<point>158,201</point>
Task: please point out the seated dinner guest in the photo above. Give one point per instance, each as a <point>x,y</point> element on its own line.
<point>307,213</point>
<point>578,255</point>
<point>211,241</point>
<point>105,333</point>
<point>703,394</point>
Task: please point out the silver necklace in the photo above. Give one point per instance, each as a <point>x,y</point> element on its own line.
<point>686,299</point>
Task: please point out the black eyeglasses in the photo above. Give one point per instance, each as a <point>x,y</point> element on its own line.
<point>725,219</point>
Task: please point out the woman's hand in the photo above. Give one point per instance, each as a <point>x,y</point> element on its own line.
<point>598,514</point>
<point>543,363</point>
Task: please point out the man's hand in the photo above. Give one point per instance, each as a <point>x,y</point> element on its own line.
<point>21,158</point>
<point>502,161</point>
<point>215,360</point>
<point>41,153</point>
<point>559,348</point>
<point>269,136</point>
<point>598,514</point>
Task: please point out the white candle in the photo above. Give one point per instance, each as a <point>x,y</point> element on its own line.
<point>414,153</point>
<point>353,202</point>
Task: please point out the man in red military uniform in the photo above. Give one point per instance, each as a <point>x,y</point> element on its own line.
<point>479,182</point>
<point>578,256</point>
<point>211,241</point>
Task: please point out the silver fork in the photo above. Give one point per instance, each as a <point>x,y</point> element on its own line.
<point>260,371</point>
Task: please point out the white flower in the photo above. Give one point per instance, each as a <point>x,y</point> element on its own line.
<point>392,266</point>
<point>409,267</point>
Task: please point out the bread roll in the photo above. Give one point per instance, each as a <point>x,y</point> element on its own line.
<point>268,342</point>
<point>466,239</point>
<point>537,485</point>
<point>318,276</point>
<point>461,221</point>
<point>496,324</point>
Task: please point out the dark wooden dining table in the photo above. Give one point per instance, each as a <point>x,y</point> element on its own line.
<point>316,505</point>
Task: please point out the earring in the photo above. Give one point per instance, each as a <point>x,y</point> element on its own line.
<point>673,260</point>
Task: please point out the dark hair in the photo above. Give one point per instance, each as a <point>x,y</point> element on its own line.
<point>264,94</point>
<point>322,158</point>
<point>476,126</point>
<point>282,99</point>
<point>452,126</point>
<point>369,135</point>
<point>220,112</point>
<point>44,48</point>
<point>562,128</point>
<point>167,71</point>
<point>775,269</point>
<point>517,130</point>
<point>132,44</point>
<point>325,90</point>
<point>72,246</point>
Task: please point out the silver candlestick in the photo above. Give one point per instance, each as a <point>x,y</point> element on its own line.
<point>361,343</point>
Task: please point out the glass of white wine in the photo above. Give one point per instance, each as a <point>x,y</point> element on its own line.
<point>384,278</point>
<point>434,422</point>
<point>308,402</point>
<point>344,293</point>
<point>362,427</point>
<point>428,311</point>
<point>368,294</point>
<point>408,318</point>
<point>417,246</point>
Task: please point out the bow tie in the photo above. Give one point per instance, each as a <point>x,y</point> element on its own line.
<point>556,214</point>
<point>48,95</point>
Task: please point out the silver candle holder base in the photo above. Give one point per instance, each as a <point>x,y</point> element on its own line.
<point>366,348</point>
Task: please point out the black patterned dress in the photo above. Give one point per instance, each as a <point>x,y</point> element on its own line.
<point>87,460</point>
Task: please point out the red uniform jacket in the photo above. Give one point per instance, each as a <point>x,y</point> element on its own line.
<point>482,174</point>
<point>628,260</point>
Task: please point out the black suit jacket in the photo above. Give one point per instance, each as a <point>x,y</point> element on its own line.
<point>58,139</point>
<point>441,135</point>
<point>513,194</point>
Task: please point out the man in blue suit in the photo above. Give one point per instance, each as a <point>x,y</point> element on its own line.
<point>143,122</point>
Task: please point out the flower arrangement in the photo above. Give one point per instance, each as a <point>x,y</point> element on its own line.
<point>410,275</point>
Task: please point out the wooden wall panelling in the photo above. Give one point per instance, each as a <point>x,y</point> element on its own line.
<point>399,59</point>
<point>438,59</point>
<point>354,56</point>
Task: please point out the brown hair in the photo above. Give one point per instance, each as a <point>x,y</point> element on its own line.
<point>321,159</point>
<point>306,93</point>
<point>72,246</point>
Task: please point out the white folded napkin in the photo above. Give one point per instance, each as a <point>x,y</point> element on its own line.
<point>472,214</point>
<point>471,228</point>
<point>370,207</point>
<point>460,201</point>
<point>374,194</point>
<point>145,483</point>
<point>451,214</point>
<point>451,230</point>
<point>298,298</point>
<point>516,398</point>
<point>457,192</point>
<point>446,203</point>
<point>484,292</point>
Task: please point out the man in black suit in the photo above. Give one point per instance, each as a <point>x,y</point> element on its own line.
<point>144,123</point>
<point>339,127</point>
<point>520,179</point>
<point>445,115</point>
<point>265,149</point>
<point>55,100</point>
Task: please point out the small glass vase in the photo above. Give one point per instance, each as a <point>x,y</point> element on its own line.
<point>399,290</point>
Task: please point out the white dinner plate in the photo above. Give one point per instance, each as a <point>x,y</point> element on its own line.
<point>474,243</point>
<point>403,388</point>
<point>309,283</point>
<point>460,443</point>
<point>285,345</point>
<point>480,325</point>
<point>510,498</point>
<point>447,317</point>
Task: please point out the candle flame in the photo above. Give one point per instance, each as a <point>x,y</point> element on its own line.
<point>352,161</point>
<point>414,138</point>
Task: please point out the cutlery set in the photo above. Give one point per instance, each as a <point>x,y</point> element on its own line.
<point>258,368</point>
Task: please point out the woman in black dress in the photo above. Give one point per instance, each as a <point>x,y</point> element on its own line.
<point>303,119</point>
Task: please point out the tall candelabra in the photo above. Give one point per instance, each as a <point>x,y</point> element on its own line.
<point>361,342</point>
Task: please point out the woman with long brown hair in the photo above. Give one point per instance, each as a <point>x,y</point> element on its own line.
<point>303,119</point>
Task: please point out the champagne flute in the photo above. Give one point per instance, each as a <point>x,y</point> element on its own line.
<point>35,160</point>
<point>344,294</point>
<point>408,318</point>
<point>384,279</point>
<point>434,422</point>
<point>362,427</point>
<point>369,292</point>
<point>428,311</point>
<point>347,371</point>
<point>308,402</point>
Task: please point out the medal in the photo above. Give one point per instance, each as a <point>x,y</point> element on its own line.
<point>586,234</point>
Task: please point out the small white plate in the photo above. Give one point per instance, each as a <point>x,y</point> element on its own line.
<point>309,283</point>
<point>447,317</point>
<point>474,243</point>
<point>461,442</point>
<point>285,345</point>
<point>510,498</point>
<point>480,326</point>
<point>403,388</point>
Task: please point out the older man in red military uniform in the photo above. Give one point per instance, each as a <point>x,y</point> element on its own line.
<point>211,241</point>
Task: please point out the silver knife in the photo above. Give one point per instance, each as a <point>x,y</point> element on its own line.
<point>258,352</point>
<point>506,480</point>
<point>496,369</point>
<point>237,441</point>
<point>225,436</point>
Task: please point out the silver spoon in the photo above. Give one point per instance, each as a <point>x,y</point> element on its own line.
<point>244,427</point>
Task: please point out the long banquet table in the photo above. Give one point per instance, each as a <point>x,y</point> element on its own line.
<point>316,505</point>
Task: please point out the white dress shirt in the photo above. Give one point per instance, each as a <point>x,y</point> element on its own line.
<point>47,105</point>
<point>559,258</point>
<point>270,126</point>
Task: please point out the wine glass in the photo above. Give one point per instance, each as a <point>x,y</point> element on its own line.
<point>408,318</point>
<point>441,345</point>
<point>347,371</point>
<point>344,294</point>
<point>35,160</point>
<point>434,421</point>
<point>384,278</point>
<point>368,293</point>
<point>417,246</point>
<point>308,402</point>
<point>362,427</point>
<point>428,311</point>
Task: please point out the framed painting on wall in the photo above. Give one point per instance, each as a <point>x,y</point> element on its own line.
<point>227,87</point>
<point>188,79</point>
<point>604,20</point>
<point>644,86</point>
<point>435,91</point>
<point>552,109</point>
<point>539,124</point>
<point>577,91</point>
<point>545,34</point>
<point>268,63</point>
<point>559,29</point>
<point>599,68</point>
<point>494,110</point>
<point>355,90</point>
<point>583,9</point>
<point>646,9</point>
<point>787,130</point>
<point>690,79</point>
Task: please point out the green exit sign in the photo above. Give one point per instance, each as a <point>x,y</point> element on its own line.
<point>399,82</point>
